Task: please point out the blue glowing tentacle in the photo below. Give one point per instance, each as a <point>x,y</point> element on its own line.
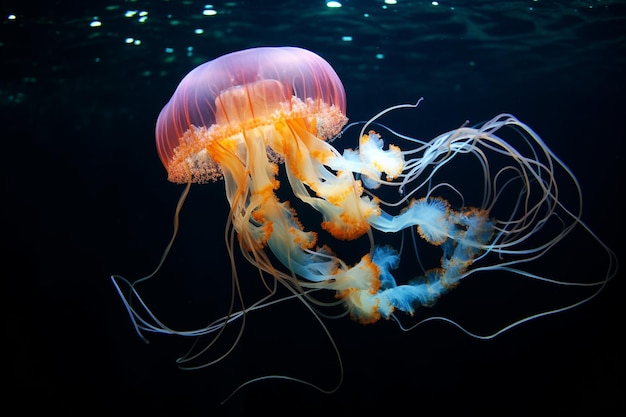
<point>467,234</point>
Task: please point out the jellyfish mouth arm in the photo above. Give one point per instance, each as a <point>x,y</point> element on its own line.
<point>462,237</point>
<point>369,305</point>
<point>344,209</point>
<point>336,195</point>
<point>371,161</point>
<point>318,267</point>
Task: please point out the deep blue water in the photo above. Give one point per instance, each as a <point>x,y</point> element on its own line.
<point>85,196</point>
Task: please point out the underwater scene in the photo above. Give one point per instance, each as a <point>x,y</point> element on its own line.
<point>357,206</point>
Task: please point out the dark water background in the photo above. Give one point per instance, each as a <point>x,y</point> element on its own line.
<point>85,196</point>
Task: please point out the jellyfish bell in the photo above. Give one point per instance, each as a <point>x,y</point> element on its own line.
<point>239,117</point>
<point>242,91</point>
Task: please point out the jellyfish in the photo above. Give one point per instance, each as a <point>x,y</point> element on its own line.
<point>263,122</point>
